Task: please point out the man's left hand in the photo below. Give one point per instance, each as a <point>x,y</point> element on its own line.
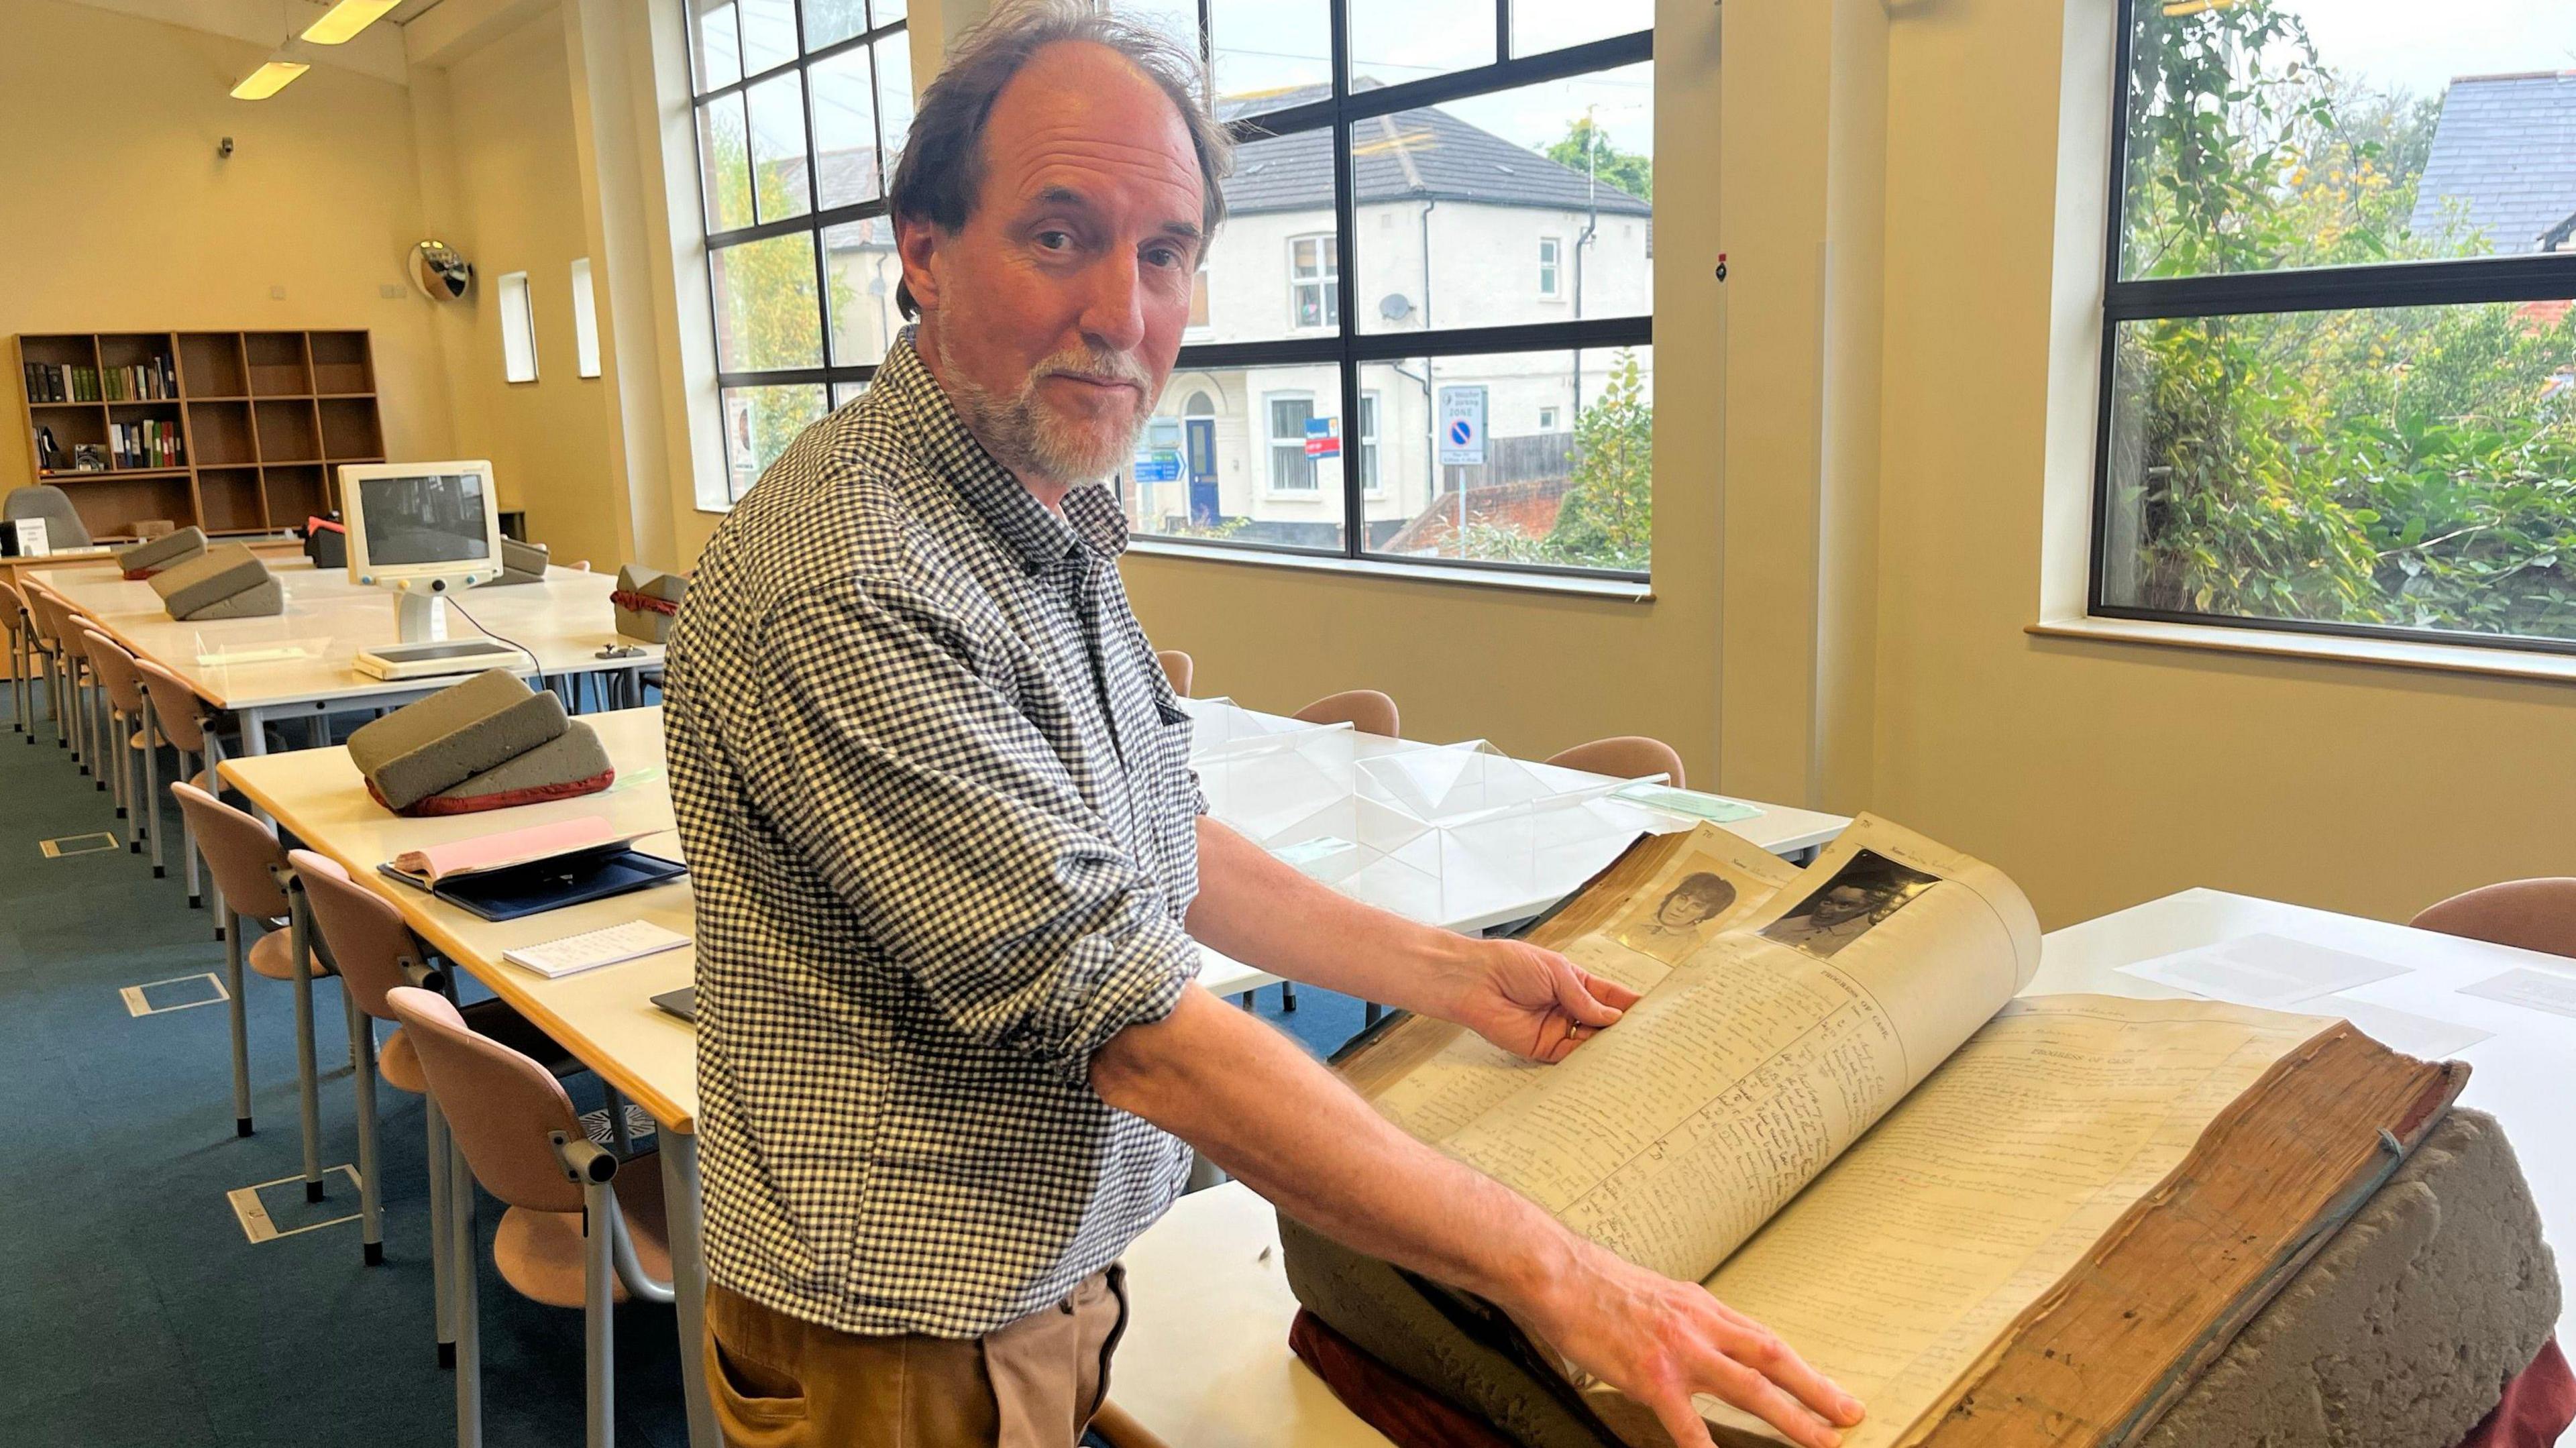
<point>1529,1001</point>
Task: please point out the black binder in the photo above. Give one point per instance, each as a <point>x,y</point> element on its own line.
<point>551,884</point>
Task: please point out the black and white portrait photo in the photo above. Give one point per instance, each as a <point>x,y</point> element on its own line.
<point>1866,890</point>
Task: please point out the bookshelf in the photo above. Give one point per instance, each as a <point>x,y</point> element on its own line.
<point>261,420</point>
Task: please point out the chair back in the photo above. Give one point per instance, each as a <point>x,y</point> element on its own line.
<point>176,710</point>
<point>13,608</point>
<point>501,1105</point>
<point>45,612</point>
<point>1177,667</point>
<point>1365,710</point>
<point>2532,914</point>
<point>242,852</point>
<point>115,669</point>
<point>1625,756</point>
<point>63,525</point>
<point>364,936</point>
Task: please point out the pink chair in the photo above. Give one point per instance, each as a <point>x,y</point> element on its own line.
<point>377,954</point>
<point>2531,914</point>
<point>1365,710</point>
<point>185,721</point>
<point>129,734</point>
<point>1179,668</point>
<point>22,657</point>
<point>581,1229</point>
<point>253,882</point>
<point>54,652</point>
<point>1626,756</point>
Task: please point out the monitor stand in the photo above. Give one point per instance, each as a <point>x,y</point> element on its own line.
<point>426,651</point>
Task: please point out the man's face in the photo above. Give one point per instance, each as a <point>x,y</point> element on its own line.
<point>1681,910</point>
<point>1842,903</point>
<point>1056,312</point>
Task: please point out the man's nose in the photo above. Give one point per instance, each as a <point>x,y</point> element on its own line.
<point>1113,315</point>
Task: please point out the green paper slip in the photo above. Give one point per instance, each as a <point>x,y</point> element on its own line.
<point>1715,808</point>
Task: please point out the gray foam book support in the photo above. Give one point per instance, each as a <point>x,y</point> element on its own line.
<point>167,551</point>
<point>226,582</point>
<point>520,563</point>
<point>454,735</point>
<point>647,601</point>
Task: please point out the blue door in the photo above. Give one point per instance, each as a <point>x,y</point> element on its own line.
<point>1200,447</point>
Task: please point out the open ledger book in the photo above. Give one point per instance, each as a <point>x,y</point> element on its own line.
<point>1830,1109</point>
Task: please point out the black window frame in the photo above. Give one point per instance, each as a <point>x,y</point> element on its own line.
<point>815,219</point>
<point>1348,348</point>
<point>2519,277</point>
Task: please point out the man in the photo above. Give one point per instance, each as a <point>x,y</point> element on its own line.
<point>950,867</point>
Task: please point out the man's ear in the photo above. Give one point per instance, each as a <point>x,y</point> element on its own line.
<point>914,241</point>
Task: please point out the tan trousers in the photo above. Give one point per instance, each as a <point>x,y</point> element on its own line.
<point>781,1382</point>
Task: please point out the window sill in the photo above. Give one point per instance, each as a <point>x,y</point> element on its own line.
<point>1625,590</point>
<point>2283,644</point>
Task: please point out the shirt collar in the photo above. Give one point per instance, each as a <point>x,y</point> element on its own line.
<point>1033,533</point>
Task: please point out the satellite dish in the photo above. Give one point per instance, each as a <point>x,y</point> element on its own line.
<point>1395,306</point>
<point>440,272</point>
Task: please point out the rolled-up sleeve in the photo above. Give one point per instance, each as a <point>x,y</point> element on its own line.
<point>939,814</point>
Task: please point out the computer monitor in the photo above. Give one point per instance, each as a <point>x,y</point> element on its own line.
<point>415,524</point>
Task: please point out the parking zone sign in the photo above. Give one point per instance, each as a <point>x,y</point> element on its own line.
<point>1462,426</point>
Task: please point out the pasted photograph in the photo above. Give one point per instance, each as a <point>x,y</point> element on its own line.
<point>1670,925</point>
<point>1866,890</point>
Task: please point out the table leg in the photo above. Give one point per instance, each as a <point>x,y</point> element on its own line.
<point>299,933</point>
<point>682,1207</point>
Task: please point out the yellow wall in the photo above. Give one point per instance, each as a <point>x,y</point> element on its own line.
<point>504,186</point>
<point>115,212</point>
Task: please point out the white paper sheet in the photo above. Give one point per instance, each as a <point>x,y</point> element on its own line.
<point>2422,1037</point>
<point>2538,990</point>
<point>2270,971</point>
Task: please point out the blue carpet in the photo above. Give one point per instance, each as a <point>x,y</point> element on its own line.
<point>138,1313</point>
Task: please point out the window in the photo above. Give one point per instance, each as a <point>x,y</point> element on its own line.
<point>1292,454</point>
<point>2339,358</point>
<point>585,320</point>
<point>1199,298</point>
<point>801,109</point>
<point>518,329</point>
<point>1403,167</point>
<point>1314,282</point>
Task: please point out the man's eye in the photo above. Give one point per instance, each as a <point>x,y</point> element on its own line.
<point>1163,256</point>
<point>1055,240</point>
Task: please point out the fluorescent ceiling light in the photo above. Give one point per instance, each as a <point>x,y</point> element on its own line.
<point>346,19</point>
<point>268,80</point>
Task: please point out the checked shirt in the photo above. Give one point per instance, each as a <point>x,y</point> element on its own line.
<point>936,799</point>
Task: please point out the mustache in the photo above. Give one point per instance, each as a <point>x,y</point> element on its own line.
<point>1096,365</point>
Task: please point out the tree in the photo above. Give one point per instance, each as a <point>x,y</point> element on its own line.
<point>1607,518</point>
<point>1586,150</point>
<point>765,296</point>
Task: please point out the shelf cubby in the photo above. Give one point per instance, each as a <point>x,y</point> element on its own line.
<point>229,501</point>
<point>343,365</point>
<point>219,434</point>
<point>349,430</point>
<point>210,365</point>
<point>286,430</point>
<point>278,364</point>
<point>294,493</point>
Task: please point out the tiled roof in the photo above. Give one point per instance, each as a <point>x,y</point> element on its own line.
<point>2504,154</point>
<point>1409,155</point>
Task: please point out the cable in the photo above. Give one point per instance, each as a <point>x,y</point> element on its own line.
<point>533,661</point>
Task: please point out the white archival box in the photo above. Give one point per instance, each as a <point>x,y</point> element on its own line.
<point>423,530</point>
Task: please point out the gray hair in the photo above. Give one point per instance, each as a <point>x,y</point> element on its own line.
<point>942,169</point>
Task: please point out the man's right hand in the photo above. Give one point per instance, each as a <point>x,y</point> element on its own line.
<point>1660,1341</point>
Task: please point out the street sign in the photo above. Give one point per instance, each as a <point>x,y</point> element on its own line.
<point>1321,440</point>
<point>1462,427</point>
<point>1161,467</point>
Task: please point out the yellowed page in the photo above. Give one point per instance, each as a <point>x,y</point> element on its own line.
<point>1719,880</point>
<point>1906,1258</point>
<point>1677,1132</point>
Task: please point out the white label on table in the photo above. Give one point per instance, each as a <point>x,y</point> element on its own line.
<point>2419,1036</point>
<point>2270,971</point>
<point>2538,990</point>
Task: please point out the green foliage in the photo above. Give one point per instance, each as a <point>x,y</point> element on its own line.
<point>2406,467</point>
<point>765,298</point>
<point>1607,519</point>
<point>1587,145</point>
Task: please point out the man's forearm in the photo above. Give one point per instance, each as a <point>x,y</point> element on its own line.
<point>1261,1108</point>
<point>1272,917</point>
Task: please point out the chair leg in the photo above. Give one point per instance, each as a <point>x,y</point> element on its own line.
<point>442,1251</point>
<point>599,1324</point>
<point>152,792</point>
<point>1369,1012</point>
<point>188,843</point>
<point>307,1086</point>
<point>619,1139</point>
<point>1287,996</point>
<point>362,1049</point>
<point>241,1024</point>
<point>461,1265</point>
